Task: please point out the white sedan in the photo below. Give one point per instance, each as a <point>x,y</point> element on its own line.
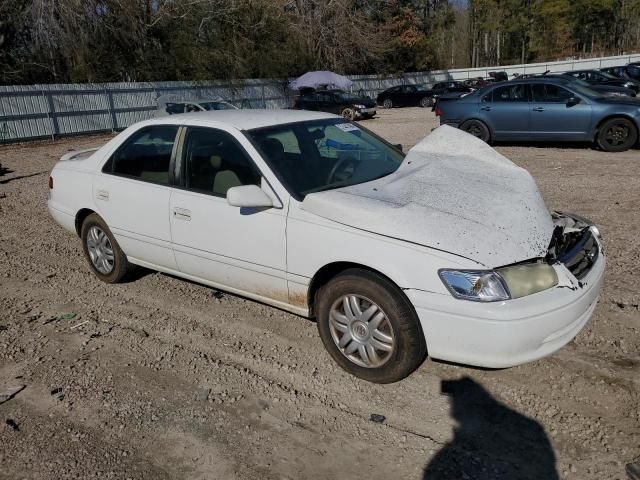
<point>447,251</point>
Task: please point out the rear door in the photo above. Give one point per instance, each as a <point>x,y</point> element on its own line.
<point>553,118</point>
<point>132,194</point>
<point>408,95</point>
<point>507,111</point>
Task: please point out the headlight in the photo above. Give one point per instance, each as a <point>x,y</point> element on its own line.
<point>359,106</point>
<point>476,285</point>
<point>523,280</point>
<point>503,284</point>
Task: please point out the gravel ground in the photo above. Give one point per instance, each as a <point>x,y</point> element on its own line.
<point>161,378</point>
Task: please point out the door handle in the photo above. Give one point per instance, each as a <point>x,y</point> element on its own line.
<point>181,214</point>
<point>486,109</point>
<point>102,195</point>
<point>538,109</point>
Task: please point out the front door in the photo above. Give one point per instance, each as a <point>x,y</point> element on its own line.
<point>132,195</point>
<point>238,249</point>
<point>553,117</point>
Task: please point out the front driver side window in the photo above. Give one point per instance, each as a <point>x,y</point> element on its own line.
<point>214,162</point>
<point>145,155</point>
<point>549,93</point>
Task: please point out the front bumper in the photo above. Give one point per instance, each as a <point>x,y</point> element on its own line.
<point>505,334</point>
<point>367,112</point>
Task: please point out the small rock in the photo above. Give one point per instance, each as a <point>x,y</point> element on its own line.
<point>12,425</point>
<point>377,418</point>
<point>203,394</point>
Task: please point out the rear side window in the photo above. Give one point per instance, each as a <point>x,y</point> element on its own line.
<point>214,162</point>
<point>146,155</point>
<point>549,93</point>
<point>511,93</point>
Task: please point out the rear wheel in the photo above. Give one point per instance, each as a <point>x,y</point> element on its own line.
<point>105,257</point>
<point>477,129</point>
<point>388,103</point>
<point>369,327</point>
<point>617,135</point>
<point>426,102</point>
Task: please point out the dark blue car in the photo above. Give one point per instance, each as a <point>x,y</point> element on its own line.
<point>545,109</point>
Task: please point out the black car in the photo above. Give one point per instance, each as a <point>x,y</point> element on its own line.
<point>413,95</point>
<point>596,77</point>
<point>631,71</point>
<point>340,102</point>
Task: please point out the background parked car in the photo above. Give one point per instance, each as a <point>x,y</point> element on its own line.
<point>596,77</point>
<point>339,102</point>
<point>392,98</point>
<point>405,96</point>
<point>545,108</point>
<point>630,71</point>
<point>173,108</point>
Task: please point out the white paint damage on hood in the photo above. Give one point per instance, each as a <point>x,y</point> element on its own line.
<point>454,193</point>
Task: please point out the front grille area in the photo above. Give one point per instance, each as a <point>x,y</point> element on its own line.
<point>580,257</point>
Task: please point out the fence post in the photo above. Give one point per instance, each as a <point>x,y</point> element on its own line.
<point>53,119</point>
<point>112,110</point>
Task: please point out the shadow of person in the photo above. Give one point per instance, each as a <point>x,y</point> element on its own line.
<point>491,441</point>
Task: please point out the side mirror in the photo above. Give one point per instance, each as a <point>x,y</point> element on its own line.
<point>248,196</point>
<point>398,146</point>
<point>573,101</point>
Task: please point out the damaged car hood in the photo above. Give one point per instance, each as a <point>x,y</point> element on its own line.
<point>453,193</point>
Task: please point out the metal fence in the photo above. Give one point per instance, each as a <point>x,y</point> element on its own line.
<point>30,112</point>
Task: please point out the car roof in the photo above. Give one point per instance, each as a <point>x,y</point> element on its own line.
<point>241,119</point>
<point>550,78</point>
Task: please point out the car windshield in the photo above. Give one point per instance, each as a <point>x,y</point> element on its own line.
<point>608,76</point>
<point>216,106</point>
<point>324,154</point>
<point>346,96</point>
<point>584,88</point>
<point>633,71</point>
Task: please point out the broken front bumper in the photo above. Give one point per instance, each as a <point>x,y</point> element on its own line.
<point>509,333</point>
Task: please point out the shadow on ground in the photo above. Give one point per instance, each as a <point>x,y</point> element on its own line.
<point>491,441</point>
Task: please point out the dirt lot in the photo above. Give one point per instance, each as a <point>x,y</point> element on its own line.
<point>160,378</point>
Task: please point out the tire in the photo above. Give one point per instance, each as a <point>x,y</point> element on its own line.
<point>426,102</point>
<point>393,325</point>
<point>348,113</point>
<point>617,135</point>
<point>478,129</point>
<point>97,242</point>
<point>387,103</point>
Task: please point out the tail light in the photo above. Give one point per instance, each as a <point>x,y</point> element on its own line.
<point>438,111</point>
<point>50,183</point>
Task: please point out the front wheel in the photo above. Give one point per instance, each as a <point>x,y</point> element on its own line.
<point>477,129</point>
<point>388,103</point>
<point>617,135</point>
<point>348,114</point>
<point>105,257</point>
<point>369,327</point>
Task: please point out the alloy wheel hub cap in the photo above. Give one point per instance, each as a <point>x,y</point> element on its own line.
<point>361,331</point>
<point>100,250</point>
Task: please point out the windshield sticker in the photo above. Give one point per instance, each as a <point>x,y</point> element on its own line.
<point>347,127</point>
